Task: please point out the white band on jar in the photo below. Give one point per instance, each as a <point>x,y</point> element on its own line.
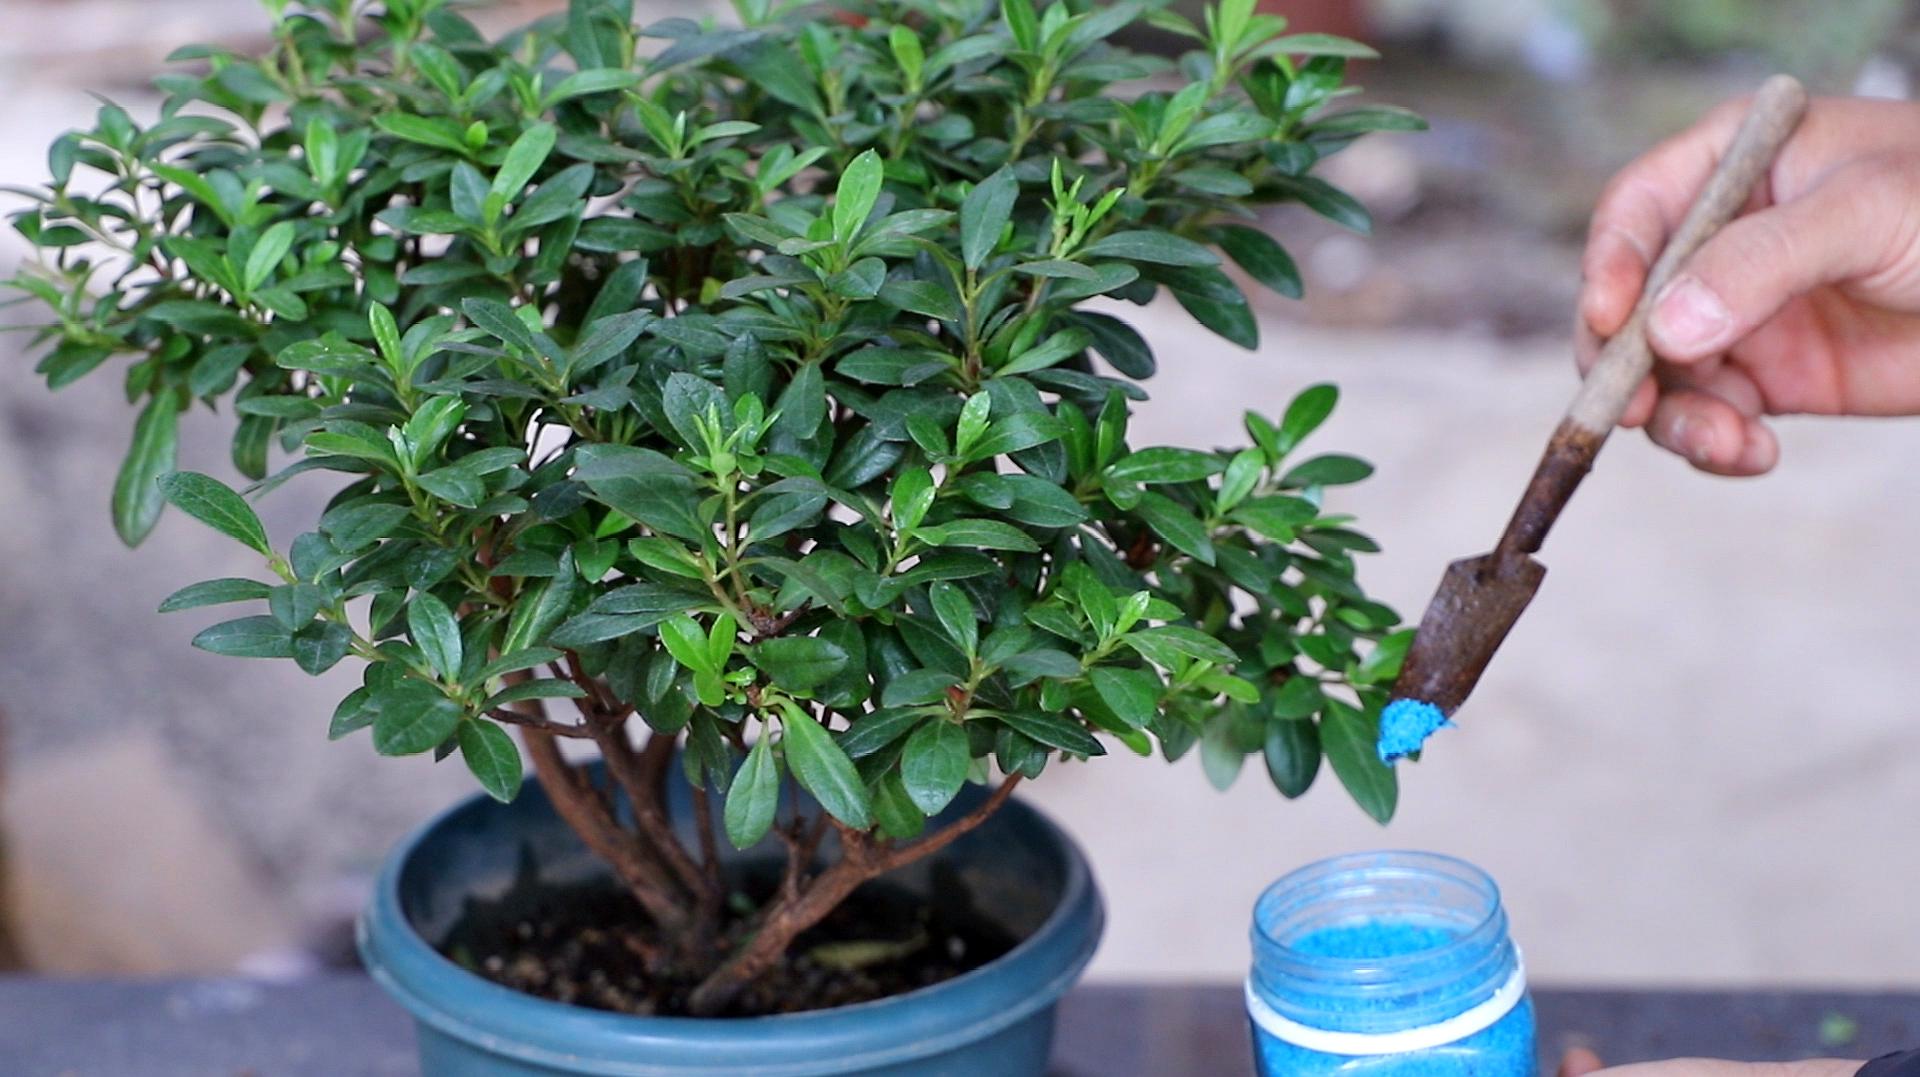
<point>1477,1019</point>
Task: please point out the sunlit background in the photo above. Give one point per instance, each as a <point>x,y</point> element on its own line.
<point>1697,760</point>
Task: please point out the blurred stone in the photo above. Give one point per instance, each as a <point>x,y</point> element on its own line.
<point>117,869</point>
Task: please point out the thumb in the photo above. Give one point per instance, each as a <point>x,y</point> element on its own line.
<point>1579,1062</point>
<point>1740,278</point>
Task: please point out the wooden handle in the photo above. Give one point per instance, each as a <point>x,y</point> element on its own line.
<point>1627,358</point>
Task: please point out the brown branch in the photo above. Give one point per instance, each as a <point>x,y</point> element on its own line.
<point>902,855</point>
<point>709,847</point>
<point>642,781</point>
<point>581,808</point>
<point>860,860</point>
<point>541,723</point>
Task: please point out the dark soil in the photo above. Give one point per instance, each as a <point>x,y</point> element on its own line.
<point>589,946</point>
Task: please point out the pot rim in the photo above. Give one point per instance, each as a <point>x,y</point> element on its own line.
<point>920,1023</point>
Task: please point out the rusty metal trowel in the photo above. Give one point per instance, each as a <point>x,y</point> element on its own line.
<point>1480,598</point>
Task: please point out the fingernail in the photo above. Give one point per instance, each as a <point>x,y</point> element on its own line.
<point>1689,316</point>
<point>1691,440</point>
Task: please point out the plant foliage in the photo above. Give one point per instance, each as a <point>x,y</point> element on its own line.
<point>764,382</point>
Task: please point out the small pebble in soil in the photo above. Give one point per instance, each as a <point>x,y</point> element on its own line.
<point>1405,725</point>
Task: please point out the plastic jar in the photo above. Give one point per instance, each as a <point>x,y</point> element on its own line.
<point>1388,965</point>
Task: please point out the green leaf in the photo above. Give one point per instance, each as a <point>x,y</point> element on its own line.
<point>1230,317</point>
<point>267,253</point>
<point>540,607</point>
<point>441,134</point>
<point>247,637</point>
<point>320,646</point>
<point>1351,740</point>
<point>687,643</point>
<point>922,297</point>
<point>352,714</point>
<point>492,757</point>
<point>1133,694</point>
<point>598,80</point>
<point>987,209</point>
<point>1162,464</point>
<point>934,765</point>
<point>1022,23</point>
<point>754,795</point>
<point>980,535</point>
<point>1158,644</point>
<point>1053,731</point>
<point>137,493</point>
<point>798,663</point>
<point>545,688</point>
<point>212,503</point>
<point>1118,343</point>
<point>899,819</point>
<point>214,593</point>
<point>1159,248</point>
<point>1292,752</point>
<point>957,617</point>
<point>858,193</point>
<point>1328,201</point>
<point>1319,45</point>
<point>1382,664</point>
<point>1039,503</point>
<point>517,169</point>
<point>1330,470</point>
<point>876,730</point>
<point>413,717</point>
<point>1305,414</point>
<point>1181,528</point>
<point>1264,259</point>
<point>498,319</point>
<point>1371,118</point>
<point>824,770</point>
<point>437,633</point>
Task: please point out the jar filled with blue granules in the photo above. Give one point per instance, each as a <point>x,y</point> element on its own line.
<point>1388,965</point>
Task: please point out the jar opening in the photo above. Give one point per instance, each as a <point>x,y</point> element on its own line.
<point>1380,942</point>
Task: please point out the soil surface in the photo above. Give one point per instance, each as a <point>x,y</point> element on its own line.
<point>589,946</point>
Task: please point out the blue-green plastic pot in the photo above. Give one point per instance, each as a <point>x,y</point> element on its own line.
<point>997,1020</point>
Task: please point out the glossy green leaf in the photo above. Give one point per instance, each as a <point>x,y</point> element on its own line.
<point>247,637</point>
<point>493,758</point>
<point>1159,248</point>
<point>212,503</point>
<point>1054,731</point>
<point>934,765</point>
<point>824,770</point>
<point>754,796</point>
<point>214,593</point>
<point>437,633</point>
<point>137,493</point>
<point>798,663</point>
<point>413,718</point>
<point>1350,739</point>
<point>858,193</point>
<point>985,213</point>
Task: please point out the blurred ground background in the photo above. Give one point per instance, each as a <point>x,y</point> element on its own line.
<point>1695,761</point>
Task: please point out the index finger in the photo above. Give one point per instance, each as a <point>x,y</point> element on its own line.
<point>1640,208</point>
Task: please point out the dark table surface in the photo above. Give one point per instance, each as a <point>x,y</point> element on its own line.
<point>341,1026</point>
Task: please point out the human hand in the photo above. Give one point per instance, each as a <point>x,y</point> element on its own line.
<point>1809,302</point>
<point>1581,1062</point>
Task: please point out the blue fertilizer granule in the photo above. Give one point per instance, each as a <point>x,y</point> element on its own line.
<point>1502,1049</point>
<point>1372,938</point>
<point>1405,725</point>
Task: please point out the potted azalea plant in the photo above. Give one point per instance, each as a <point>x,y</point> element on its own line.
<point>745,407</point>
